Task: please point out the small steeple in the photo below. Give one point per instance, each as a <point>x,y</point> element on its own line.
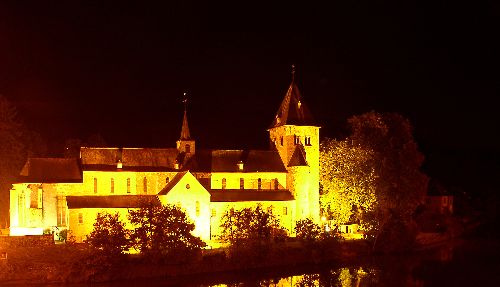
<point>185,135</point>
<point>292,110</point>
<point>185,144</point>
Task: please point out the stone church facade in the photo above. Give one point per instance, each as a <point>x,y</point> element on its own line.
<point>67,193</point>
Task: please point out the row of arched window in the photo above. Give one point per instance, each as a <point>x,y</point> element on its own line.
<point>296,140</point>
<point>112,185</point>
<point>275,183</point>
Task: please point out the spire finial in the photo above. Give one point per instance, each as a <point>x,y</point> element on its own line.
<point>185,135</point>
<point>185,100</point>
<point>293,72</point>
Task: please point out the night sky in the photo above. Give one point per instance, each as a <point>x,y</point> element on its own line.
<point>76,69</point>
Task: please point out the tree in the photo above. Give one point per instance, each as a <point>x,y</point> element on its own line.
<point>376,170</point>
<point>347,180</point>
<point>12,153</point>
<point>109,235</point>
<point>163,231</point>
<point>307,230</point>
<point>250,226</point>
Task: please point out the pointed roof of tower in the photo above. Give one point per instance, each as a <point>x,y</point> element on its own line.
<point>292,110</point>
<point>185,135</point>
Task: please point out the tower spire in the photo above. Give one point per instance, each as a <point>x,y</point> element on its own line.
<point>185,135</point>
<point>292,110</point>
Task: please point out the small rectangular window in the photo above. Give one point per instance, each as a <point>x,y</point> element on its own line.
<point>40,197</point>
<point>80,218</point>
<point>259,183</point>
<point>296,139</point>
<point>307,140</point>
<point>95,185</point>
<point>128,185</point>
<point>112,185</point>
<point>242,183</point>
<point>223,183</point>
<point>145,185</point>
<point>285,210</point>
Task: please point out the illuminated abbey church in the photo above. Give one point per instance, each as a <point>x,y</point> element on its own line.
<point>54,194</point>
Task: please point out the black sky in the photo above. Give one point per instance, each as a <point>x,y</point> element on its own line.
<point>79,68</point>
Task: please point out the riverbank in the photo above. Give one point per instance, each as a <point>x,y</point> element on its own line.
<point>75,263</point>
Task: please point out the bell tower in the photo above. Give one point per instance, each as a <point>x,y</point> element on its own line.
<point>185,144</point>
<point>295,135</point>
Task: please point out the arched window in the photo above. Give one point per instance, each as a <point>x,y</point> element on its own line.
<point>223,183</point>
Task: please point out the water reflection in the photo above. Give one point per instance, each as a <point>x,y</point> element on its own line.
<point>473,263</point>
<point>341,277</point>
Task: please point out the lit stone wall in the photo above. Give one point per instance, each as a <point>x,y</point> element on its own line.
<point>302,182</point>
<point>194,199</point>
<point>250,180</point>
<point>81,220</point>
<point>283,210</point>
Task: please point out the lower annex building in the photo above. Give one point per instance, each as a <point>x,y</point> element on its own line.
<point>55,194</point>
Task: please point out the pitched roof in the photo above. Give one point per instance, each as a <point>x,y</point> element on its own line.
<point>111,201</point>
<point>172,183</point>
<point>51,170</point>
<point>227,161</point>
<point>292,110</point>
<point>185,135</point>
<point>134,159</point>
<point>236,195</point>
<point>298,157</point>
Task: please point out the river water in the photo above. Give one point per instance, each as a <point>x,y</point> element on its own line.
<point>464,262</point>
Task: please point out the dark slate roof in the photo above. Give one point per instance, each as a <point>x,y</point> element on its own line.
<point>172,183</point>
<point>292,110</point>
<point>133,159</point>
<point>111,201</point>
<point>185,135</point>
<point>227,161</point>
<point>51,170</point>
<point>298,157</point>
<point>235,195</point>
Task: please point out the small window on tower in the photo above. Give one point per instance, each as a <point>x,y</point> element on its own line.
<point>285,210</point>
<point>188,148</point>
<point>128,185</point>
<point>242,183</point>
<point>259,183</point>
<point>80,218</point>
<point>296,139</point>
<point>223,183</point>
<point>112,185</point>
<point>145,185</point>
<point>307,140</point>
<point>95,185</point>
